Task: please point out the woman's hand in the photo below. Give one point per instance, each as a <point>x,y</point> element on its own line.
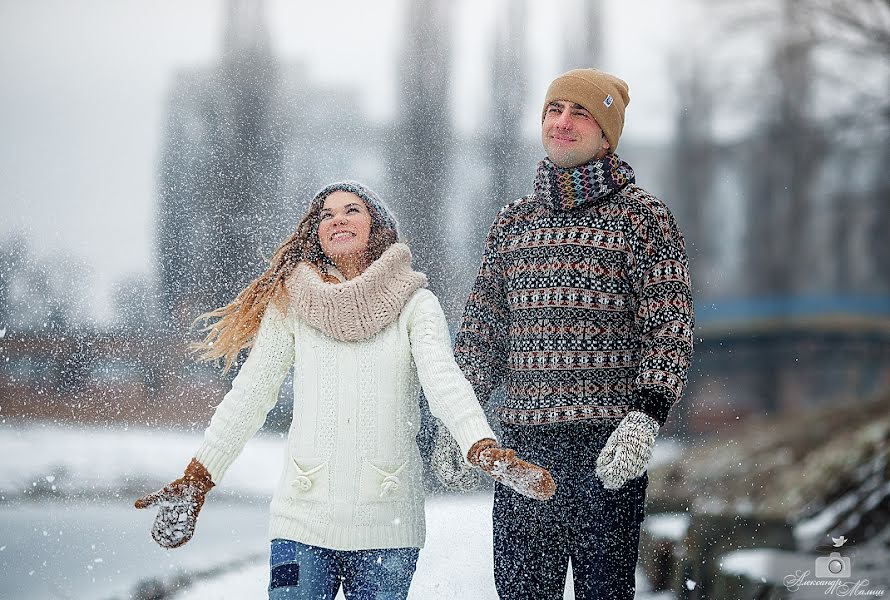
<point>178,506</point>
<point>502,465</point>
<point>447,462</point>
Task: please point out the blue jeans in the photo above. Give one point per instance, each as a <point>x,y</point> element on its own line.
<point>598,529</point>
<point>303,572</point>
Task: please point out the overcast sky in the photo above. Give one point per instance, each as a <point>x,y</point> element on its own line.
<point>83,87</point>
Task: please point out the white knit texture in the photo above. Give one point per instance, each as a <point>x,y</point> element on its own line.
<point>254,392</point>
<point>352,475</point>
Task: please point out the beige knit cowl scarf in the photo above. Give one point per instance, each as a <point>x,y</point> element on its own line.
<point>360,307</point>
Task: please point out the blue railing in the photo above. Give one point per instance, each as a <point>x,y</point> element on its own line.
<point>741,310</point>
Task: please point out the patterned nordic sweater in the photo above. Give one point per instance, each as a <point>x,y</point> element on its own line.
<point>582,307</point>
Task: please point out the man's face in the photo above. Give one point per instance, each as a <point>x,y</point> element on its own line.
<point>570,135</point>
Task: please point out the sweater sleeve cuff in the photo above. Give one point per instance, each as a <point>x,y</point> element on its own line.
<point>654,404</point>
<point>468,431</point>
<point>215,461</point>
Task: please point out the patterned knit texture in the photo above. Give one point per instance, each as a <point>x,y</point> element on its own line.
<point>567,189</point>
<point>358,308</point>
<point>584,312</point>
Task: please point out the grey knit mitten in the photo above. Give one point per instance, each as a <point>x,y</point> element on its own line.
<point>627,451</point>
<point>448,464</point>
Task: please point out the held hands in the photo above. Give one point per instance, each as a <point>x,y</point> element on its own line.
<point>179,504</point>
<point>502,465</point>
<point>627,451</point>
<point>448,464</point>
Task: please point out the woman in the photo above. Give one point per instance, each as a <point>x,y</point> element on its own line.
<point>341,305</point>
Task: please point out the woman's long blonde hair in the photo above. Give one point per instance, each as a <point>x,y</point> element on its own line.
<point>235,325</point>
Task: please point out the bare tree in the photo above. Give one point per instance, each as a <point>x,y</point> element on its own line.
<point>878,246</point>
<point>503,138</point>
<point>420,152</point>
<point>857,32</point>
<point>250,150</point>
<point>220,172</point>
<point>584,45</point>
<point>818,115</point>
<point>781,158</point>
<point>860,30</point>
<point>42,292</point>
<point>694,158</point>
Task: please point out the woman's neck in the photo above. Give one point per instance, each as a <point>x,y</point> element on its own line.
<point>351,267</point>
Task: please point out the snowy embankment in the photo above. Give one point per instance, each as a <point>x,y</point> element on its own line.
<point>61,461</point>
<point>760,507</point>
<point>51,473</point>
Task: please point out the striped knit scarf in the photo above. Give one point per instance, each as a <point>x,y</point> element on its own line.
<point>569,188</point>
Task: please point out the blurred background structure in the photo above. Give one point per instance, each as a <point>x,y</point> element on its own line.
<point>766,131</point>
<point>774,168</point>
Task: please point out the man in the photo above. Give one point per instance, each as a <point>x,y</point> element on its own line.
<point>582,309</point>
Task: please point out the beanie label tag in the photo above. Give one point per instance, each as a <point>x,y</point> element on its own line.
<point>608,101</point>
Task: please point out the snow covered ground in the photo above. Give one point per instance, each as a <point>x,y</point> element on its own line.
<point>59,460</point>
<point>455,564</point>
<point>67,528</point>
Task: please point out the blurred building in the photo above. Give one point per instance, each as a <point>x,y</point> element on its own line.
<point>246,144</point>
<point>785,228</point>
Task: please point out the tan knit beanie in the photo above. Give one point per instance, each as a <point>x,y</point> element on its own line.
<point>604,96</point>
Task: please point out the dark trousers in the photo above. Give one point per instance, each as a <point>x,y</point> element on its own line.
<point>598,529</point>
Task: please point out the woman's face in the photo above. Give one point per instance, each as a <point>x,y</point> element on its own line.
<point>344,228</point>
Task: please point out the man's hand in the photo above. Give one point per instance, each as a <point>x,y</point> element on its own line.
<point>502,465</point>
<point>179,504</point>
<point>627,451</point>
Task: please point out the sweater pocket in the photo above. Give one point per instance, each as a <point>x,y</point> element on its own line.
<point>308,479</point>
<point>383,481</point>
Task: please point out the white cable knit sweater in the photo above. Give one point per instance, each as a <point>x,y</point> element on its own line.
<point>351,477</point>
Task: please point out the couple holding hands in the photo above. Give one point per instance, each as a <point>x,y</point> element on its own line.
<point>582,310</point>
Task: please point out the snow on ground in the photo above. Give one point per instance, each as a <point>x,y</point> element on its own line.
<point>866,571</point>
<point>666,450</point>
<point>765,564</point>
<point>100,549</point>
<point>668,526</point>
<point>455,564</point>
<point>118,464</point>
<point>99,461</point>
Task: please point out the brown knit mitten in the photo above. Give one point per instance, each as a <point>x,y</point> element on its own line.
<point>179,504</point>
<point>502,465</point>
